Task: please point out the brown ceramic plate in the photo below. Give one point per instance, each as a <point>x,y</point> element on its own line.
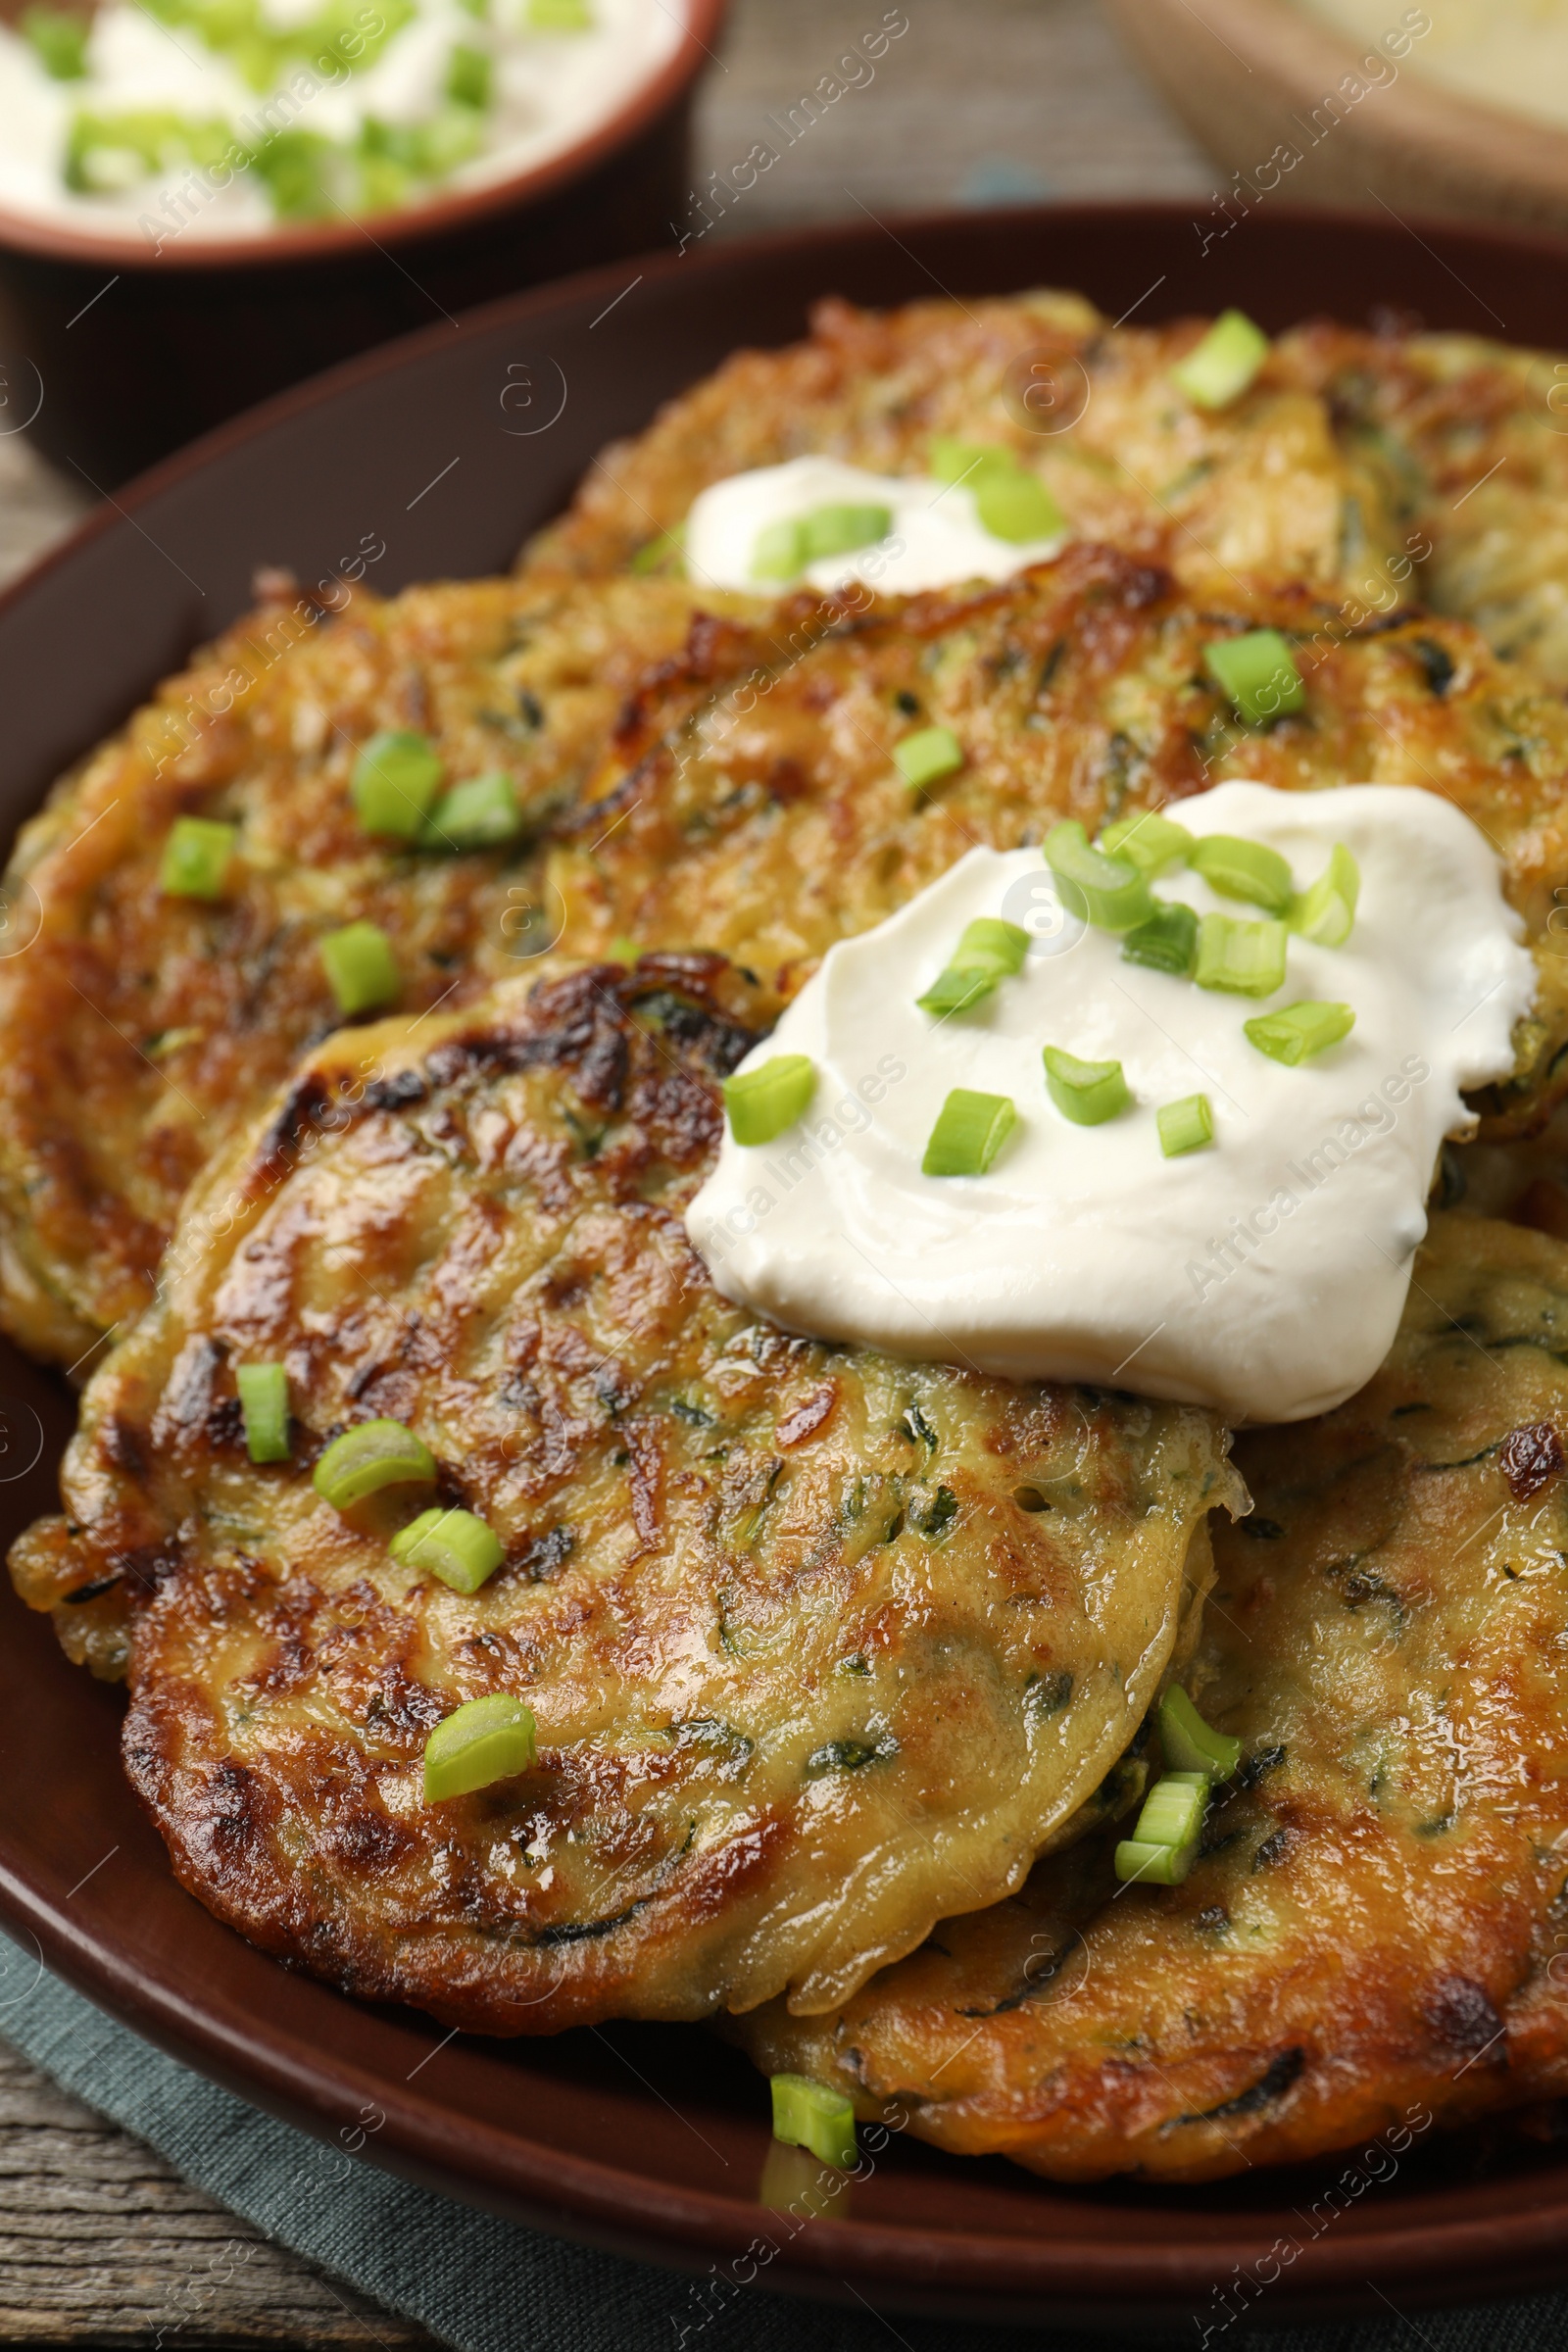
<point>450,446</point>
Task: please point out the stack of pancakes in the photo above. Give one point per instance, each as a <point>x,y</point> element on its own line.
<point>843,1668</point>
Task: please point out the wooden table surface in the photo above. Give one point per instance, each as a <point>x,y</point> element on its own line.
<point>981,100</point>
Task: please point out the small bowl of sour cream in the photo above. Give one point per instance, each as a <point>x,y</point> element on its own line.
<point>204,200</point>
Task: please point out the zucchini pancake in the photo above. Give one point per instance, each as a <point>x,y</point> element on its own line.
<point>681,769</point>
<point>806,1674</point>
<point>514,1621</point>
<point>1375,1919</point>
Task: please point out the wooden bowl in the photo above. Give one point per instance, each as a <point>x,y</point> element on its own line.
<point>654,2140</point>
<point>1259,81</point>
<point>132,353</point>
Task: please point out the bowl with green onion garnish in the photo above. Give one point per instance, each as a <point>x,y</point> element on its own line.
<point>202,201</point>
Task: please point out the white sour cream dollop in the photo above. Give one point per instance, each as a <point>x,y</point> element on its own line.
<point>550,90</point>
<point>935,539</point>
<point>1265,1275</point>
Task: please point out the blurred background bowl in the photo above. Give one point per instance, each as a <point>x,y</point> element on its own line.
<point>1252,77</point>
<point>130,352</point>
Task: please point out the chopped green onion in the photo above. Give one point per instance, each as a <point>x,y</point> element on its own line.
<point>955,460</point>
<point>1174,1809</point>
<point>488,1740</point>
<point>560,16</point>
<point>1107,891</point>
<point>926,758</point>
<point>196,857</point>
<point>840,530</point>
<point>780,551</point>
<point>361,968</point>
<point>58,39</point>
<point>1164,1845</point>
<point>1185,1126</point>
<point>1086,1092</point>
<point>970,1132</point>
<point>813,2115</point>
<point>1010,502</point>
<point>475,815</point>
<point>454,1546</point>
<point>263,1405</point>
<point>363,1461</point>
<point>1219,368</point>
<point>1016,507</point>
<point>1244,870</point>
<point>469,73</point>
<point>1155,1865</point>
<point>1246,958</point>
<point>1166,943</point>
<point>990,950</point>
<point>1326,912</point>
<point>784,549</point>
<point>1188,1742</point>
<point>1151,842</point>
<point>1259,674</point>
<point>762,1102</point>
<point>1299,1029</point>
<point>396,777</point>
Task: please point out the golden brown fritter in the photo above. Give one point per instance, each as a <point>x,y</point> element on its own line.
<point>1471,438</point>
<point>752,804</point>
<point>1379,1915</point>
<point>134,1028</point>
<point>1258,492</point>
<point>820,1646</point>
<point>717,778</point>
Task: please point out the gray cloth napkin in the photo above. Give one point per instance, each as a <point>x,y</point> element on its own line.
<point>488,2285</point>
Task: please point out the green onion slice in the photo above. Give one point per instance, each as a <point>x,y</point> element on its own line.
<point>456,1546</point>
<point>955,460</point>
<point>475,815</point>
<point>1246,958</point>
<point>1326,912</point>
<point>990,950</point>
<point>361,968</point>
<point>1188,1742</point>
<point>778,552</point>
<point>1151,842</point>
<point>1185,1126</point>
<point>839,531</point>
<point>1173,1810</point>
<point>1016,506</point>
<point>927,757</point>
<point>1299,1029</point>
<point>363,1461</point>
<point>264,1404</point>
<point>1166,943</point>
<point>1244,870</point>
<point>1219,368</point>
<point>488,1740</point>
<point>760,1103</point>
<point>196,857</point>
<point>970,1130</point>
<point>1086,1092</point>
<point>813,2115</point>
<point>1153,1865</point>
<point>560,16</point>
<point>1164,1845</point>
<point>58,40</point>
<point>396,778</point>
<point>469,74</point>
<point>1107,891</point>
<point>784,549</point>
<point>1259,674</point>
